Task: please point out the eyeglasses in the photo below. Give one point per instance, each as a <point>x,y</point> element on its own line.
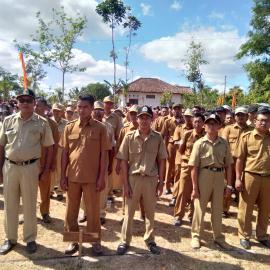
<point>26,100</point>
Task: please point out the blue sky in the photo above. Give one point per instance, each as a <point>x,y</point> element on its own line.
<point>168,26</point>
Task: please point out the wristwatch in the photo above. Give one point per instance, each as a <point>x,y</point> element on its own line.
<point>230,187</point>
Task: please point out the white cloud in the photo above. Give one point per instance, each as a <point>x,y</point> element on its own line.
<point>220,49</point>
<point>146,9</point>
<point>176,5</point>
<point>216,15</point>
<point>18,20</point>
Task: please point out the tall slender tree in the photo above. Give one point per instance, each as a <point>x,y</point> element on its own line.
<point>113,12</point>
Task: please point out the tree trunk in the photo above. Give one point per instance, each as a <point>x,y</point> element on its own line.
<point>63,86</point>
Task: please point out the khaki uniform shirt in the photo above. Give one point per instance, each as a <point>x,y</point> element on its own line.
<point>84,145</point>
<point>55,134</point>
<point>232,134</point>
<point>115,121</point>
<point>141,154</point>
<point>23,140</point>
<point>205,153</point>
<point>159,122</point>
<point>126,129</point>
<point>177,136</point>
<point>169,127</point>
<point>254,149</point>
<point>61,126</point>
<point>189,138</point>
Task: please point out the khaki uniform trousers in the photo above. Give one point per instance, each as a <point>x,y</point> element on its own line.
<point>145,187</point>
<point>256,191</point>
<point>92,207</point>
<point>56,174</point>
<point>114,181</point>
<point>45,193</point>
<point>176,179</point>
<point>20,181</point>
<point>184,195</point>
<point>227,201</point>
<point>170,166</point>
<point>103,199</point>
<point>211,188</point>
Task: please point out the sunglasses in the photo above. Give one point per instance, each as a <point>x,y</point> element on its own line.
<point>26,100</point>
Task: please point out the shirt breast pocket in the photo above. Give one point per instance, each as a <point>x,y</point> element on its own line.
<point>253,151</point>
<point>11,135</point>
<point>232,140</point>
<point>73,140</point>
<point>206,159</point>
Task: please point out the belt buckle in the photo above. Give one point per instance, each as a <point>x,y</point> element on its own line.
<point>214,169</point>
<point>20,163</point>
<point>142,174</point>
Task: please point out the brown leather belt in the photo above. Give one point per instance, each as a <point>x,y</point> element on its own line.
<point>214,169</point>
<point>260,174</point>
<point>22,163</point>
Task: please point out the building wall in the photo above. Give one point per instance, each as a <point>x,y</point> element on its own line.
<point>150,99</point>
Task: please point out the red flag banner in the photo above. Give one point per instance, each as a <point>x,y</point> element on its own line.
<point>25,81</point>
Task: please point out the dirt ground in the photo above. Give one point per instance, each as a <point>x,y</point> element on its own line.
<point>174,241</point>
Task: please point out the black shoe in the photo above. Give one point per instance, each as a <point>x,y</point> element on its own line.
<point>172,202</point>
<point>31,247</point>
<point>46,218</point>
<point>60,197</point>
<point>266,243</point>
<point>154,249</point>
<point>6,247</point>
<point>245,243</point>
<point>168,191</point>
<point>110,200</point>
<point>122,249</point>
<point>21,220</point>
<point>97,250</point>
<point>225,214</point>
<point>190,220</point>
<point>72,248</point>
<point>102,220</point>
<point>82,219</point>
<point>177,222</point>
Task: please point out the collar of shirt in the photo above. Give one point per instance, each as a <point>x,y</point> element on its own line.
<point>256,133</point>
<point>137,133</point>
<point>33,117</point>
<point>195,134</point>
<point>205,139</point>
<point>90,123</point>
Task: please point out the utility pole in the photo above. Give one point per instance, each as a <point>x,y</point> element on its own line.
<point>225,85</point>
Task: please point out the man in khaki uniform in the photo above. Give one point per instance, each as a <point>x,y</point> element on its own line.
<point>116,122</point>
<point>210,157</point>
<point>98,114</point>
<point>69,114</point>
<point>84,160</point>
<point>232,134</point>
<point>128,127</point>
<point>143,155</point>
<point>177,136</point>
<point>58,111</point>
<point>167,132</point>
<point>221,112</point>
<point>21,139</point>
<point>253,180</point>
<point>159,121</point>
<point>45,186</point>
<point>252,111</point>
<point>185,183</point>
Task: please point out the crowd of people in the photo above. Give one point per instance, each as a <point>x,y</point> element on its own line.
<point>88,150</point>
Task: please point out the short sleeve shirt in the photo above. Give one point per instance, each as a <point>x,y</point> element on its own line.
<point>116,123</point>
<point>169,128</point>
<point>141,154</point>
<point>205,153</point>
<point>23,140</point>
<point>84,145</point>
<point>254,149</point>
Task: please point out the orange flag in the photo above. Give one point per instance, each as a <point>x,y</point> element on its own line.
<point>234,100</point>
<point>25,81</point>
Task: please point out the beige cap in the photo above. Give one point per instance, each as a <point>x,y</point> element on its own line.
<point>133,108</point>
<point>241,110</point>
<point>58,107</point>
<point>108,99</point>
<point>188,112</point>
<point>98,105</point>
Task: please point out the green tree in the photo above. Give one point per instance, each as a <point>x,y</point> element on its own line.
<point>193,61</point>
<point>258,48</point>
<point>56,39</point>
<point>113,13</point>
<point>166,98</point>
<point>98,90</point>
<point>8,82</point>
